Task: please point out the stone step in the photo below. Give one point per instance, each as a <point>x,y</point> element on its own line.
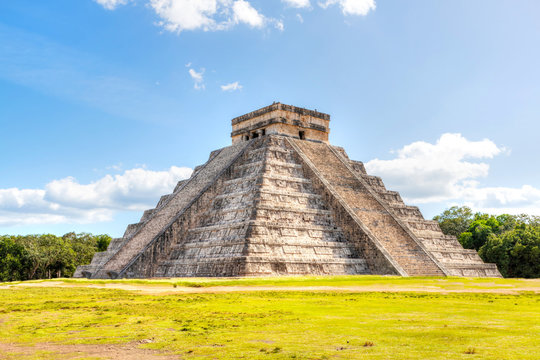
<point>306,254</point>
<point>375,182</point>
<point>293,241</point>
<point>442,244</point>
<point>163,200</point>
<point>457,256</point>
<point>180,184</point>
<point>147,214</point>
<point>274,148</point>
<point>358,166</point>
<point>264,224</point>
<point>246,267</point>
<point>267,177</point>
<point>265,259</point>
<point>391,197</point>
<point>406,212</point>
<point>262,210</point>
<point>269,162</point>
<point>441,241</point>
<point>270,192</point>
<point>227,216</point>
<point>299,233</point>
<point>455,251</point>
<point>290,209</point>
<point>473,270</point>
<point>115,244</point>
<point>268,197</point>
<point>268,213</point>
<point>439,236</point>
<point>423,228</point>
<point>131,229</point>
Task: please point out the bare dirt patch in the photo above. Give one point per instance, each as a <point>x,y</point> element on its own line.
<point>130,351</point>
<point>166,290</point>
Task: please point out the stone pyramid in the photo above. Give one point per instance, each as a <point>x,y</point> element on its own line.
<point>282,201</point>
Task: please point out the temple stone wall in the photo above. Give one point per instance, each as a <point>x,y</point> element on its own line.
<point>284,120</point>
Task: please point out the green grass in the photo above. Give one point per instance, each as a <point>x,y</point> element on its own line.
<point>286,324</point>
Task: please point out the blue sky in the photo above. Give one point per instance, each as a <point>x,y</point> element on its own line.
<point>105,104</point>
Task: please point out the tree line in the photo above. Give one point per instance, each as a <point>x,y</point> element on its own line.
<point>510,241</point>
<point>28,257</point>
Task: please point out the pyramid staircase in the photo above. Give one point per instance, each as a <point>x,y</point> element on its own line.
<point>266,220</point>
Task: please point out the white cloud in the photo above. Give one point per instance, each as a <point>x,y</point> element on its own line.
<point>497,200</point>
<point>208,15</point>
<point>215,15</point>
<point>231,87</point>
<point>351,7</point>
<point>198,80</point>
<point>68,201</point>
<point>431,172</point>
<point>111,4</point>
<point>447,171</point>
<point>297,3</point>
<point>178,15</point>
<point>300,18</point>
<point>245,13</point>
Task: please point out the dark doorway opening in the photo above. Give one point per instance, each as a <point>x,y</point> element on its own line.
<point>302,135</point>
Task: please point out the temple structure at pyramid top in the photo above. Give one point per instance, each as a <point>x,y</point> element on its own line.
<point>282,201</point>
<point>281,119</point>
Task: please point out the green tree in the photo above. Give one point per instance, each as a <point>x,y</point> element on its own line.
<point>455,220</point>
<point>14,260</point>
<point>479,231</point>
<point>516,252</point>
<point>47,256</point>
<point>84,246</point>
<point>103,242</point>
<point>50,255</point>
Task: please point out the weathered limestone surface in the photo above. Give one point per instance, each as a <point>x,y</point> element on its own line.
<point>281,200</point>
<point>369,212</point>
<point>155,221</point>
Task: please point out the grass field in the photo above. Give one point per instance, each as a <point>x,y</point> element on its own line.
<point>355,317</point>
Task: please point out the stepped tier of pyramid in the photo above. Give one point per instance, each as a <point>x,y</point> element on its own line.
<point>282,201</point>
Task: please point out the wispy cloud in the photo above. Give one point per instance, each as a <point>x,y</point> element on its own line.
<point>111,4</point>
<point>116,167</point>
<point>231,87</point>
<point>448,171</point>
<point>297,3</point>
<point>351,7</point>
<point>198,80</point>
<point>68,201</point>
